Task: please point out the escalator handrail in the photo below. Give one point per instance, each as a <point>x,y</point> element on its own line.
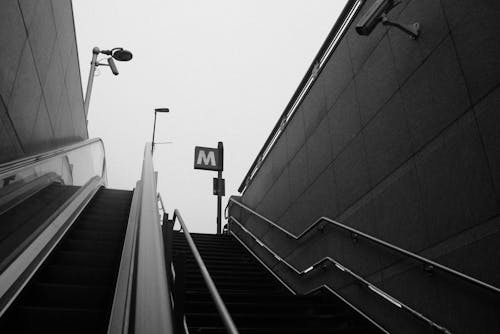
<point>373,288</point>
<point>142,293</point>
<point>152,309</point>
<point>318,225</point>
<point>15,165</point>
<point>221,307</point>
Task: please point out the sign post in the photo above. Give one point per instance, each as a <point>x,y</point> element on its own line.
<point>213,159</point>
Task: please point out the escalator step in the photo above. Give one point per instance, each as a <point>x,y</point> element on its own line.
<point>58,320</point>
<point>78,275</point>
<point>73,290</point>
<point>88,259</point>
<point>93,235</point>
<point>67,296</point>
<point>94,246</point>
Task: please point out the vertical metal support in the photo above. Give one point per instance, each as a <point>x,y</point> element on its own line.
<point>168,231</point>
<point>90,82</point>
<point>220,147</point>
<point>219,205</point>
<point>180,277</point>
<point>153,142</point>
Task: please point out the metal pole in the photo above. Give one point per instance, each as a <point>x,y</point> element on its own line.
<point>220,147</point>
<point>153,142</point>
<point>90,82</point>
<point>219,203</point>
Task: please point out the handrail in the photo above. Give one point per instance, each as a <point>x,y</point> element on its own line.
<point>221,308</point>
<point>305,84</point>
<point>360,279</point>
<point>142,301</point>
<point>431,264</point>
<point>152,292</point>
<point>13,165</point>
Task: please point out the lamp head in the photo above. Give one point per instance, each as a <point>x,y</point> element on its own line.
<point>121,54</point>
<point>162,110</point>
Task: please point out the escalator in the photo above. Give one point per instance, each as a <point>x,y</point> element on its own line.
<point>20,222</point>
<point>72,291</point>
<point>76,257</point>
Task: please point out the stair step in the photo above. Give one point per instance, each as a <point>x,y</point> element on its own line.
<point>257,302</point>
<point>89,224</point>
<point>57,320</point>
<point>87,246</point>
<point>77,275</point>
<point>209,249</point>
<point>67,296</point>
<point>93,235</point>
<point>250,297</point>
<point>88,259</point>
<point>287,330</point>
<point>220,259</point>
<point>270,320</point>
<point>184,248</point>
<point>199,284</point>
<point>105,218</point>
<point>286,307</point>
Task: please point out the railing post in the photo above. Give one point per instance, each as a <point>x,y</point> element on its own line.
<point>168,230</point>
<point>180,277</point>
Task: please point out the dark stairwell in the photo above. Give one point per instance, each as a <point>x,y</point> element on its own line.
<point>257,302</point>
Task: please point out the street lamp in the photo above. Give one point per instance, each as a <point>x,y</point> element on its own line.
<point>119,54</point>
<point>157,110</point>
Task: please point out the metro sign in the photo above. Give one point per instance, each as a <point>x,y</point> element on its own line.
<point>207,158</point>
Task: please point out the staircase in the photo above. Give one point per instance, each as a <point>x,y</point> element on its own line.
<point>257,302</point>
<point>73,290</point>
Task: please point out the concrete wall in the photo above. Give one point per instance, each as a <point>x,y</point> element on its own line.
<point>41,102</point>
<point>400,139</point>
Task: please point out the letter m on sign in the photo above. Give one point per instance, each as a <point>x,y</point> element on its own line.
<point>206,158</point>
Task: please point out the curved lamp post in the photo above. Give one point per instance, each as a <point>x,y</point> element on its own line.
<point>119,54</point>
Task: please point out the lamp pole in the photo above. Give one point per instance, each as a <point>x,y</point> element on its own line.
<point>157,110</point>
<point>90,82</point>
<point>119,54</point>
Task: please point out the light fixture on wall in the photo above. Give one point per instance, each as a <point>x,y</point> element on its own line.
<point>119,54</point>
<point>378,13</point>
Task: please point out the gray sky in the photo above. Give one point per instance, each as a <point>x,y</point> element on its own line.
<point>225,68</point>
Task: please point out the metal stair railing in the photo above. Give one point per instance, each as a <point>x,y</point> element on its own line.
<point>373,288</point>
<point>221,307</point>
<point>429,264</point>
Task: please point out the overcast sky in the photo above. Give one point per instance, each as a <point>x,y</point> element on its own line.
<point>225,68</point>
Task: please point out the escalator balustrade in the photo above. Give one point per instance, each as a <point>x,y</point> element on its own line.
<point>72,292</point>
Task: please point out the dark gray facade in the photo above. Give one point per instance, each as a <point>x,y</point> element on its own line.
<point>41,102</point>
<point>399,138</point>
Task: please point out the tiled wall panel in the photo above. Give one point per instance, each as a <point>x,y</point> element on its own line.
<point>40,87</point>
<point>404,144</point>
